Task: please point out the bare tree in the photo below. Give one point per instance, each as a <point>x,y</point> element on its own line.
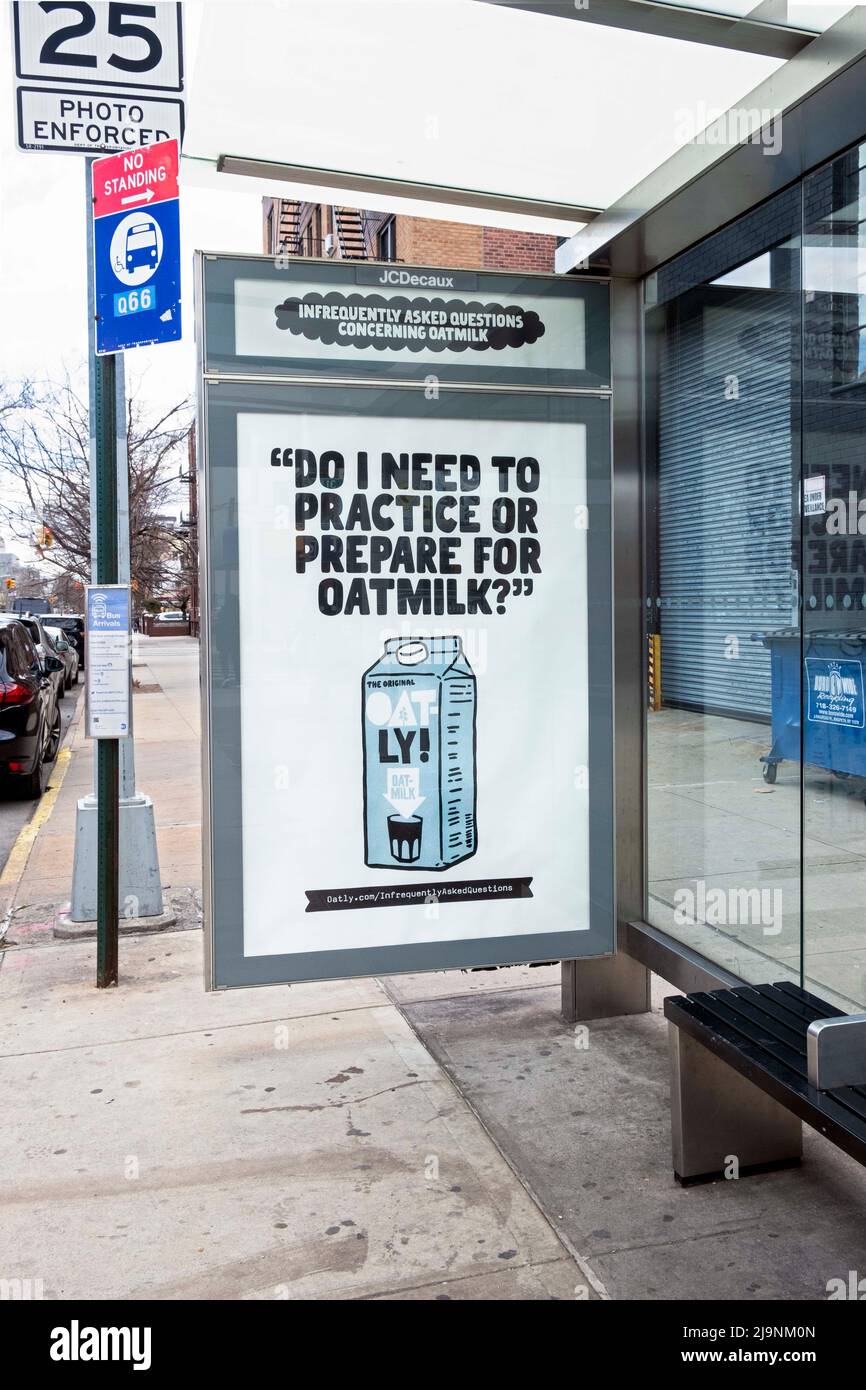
<point>45,487</point>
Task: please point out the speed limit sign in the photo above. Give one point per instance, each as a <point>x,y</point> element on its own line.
<point>97,77</point>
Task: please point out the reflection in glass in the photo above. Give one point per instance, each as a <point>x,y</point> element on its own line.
<point>756,590</point>
<point>834,579</point>
<point>722,547</point>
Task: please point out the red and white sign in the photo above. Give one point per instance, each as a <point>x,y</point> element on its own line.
<point>124,182</point>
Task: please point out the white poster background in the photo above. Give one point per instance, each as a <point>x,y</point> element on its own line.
<point>301,728</point>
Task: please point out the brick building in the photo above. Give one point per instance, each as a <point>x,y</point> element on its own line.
<point>342,233</point>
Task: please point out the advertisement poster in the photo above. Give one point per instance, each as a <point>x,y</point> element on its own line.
<point>408,671</point>
<point>428,777</point>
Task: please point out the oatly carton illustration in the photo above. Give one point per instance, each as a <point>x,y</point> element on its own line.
<point>419,703</point>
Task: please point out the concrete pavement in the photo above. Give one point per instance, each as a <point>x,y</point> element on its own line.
<point>168,767</point>
<point>714,823</point>
<point>437,1136</point>
<point>297,1142</point>
<point>14,813</point>
<point>159,1142</point>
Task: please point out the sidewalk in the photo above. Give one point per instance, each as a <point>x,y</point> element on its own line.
<point>168,768</point>
<point>272,1143</point>
<point>420,1137</point>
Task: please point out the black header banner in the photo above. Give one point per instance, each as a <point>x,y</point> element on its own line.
<point>418,894</point>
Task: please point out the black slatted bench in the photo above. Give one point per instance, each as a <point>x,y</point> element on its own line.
<point>748,1065</point>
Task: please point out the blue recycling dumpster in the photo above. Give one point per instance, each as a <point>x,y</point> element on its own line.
<point>831,681</point>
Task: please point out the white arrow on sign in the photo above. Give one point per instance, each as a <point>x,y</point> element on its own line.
<point>137,198</point>
<point>403,787</point>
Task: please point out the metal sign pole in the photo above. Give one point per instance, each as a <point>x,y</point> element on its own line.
<point>124,568</point>
<point>140,890</point>
<point>135,118</point>
<point>107,751</point>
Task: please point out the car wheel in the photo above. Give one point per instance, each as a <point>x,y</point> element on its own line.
<point>32,786</point>
<point>52,747</point>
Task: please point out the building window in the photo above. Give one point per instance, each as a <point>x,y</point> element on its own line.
<point>388,240</point>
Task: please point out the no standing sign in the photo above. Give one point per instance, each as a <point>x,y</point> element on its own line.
<point>136,248</point>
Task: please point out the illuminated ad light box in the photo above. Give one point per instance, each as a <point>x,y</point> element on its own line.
<point>406,542</point>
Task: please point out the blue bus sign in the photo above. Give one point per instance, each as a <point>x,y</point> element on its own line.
<point>136,248</point>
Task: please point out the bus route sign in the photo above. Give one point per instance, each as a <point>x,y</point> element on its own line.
<point>136,248</point>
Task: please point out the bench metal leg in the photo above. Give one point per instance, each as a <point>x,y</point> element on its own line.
<point>718,1116</point>
<point>604,988</point>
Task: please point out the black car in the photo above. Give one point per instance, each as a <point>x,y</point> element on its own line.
<point>29,715</point>
<point>73,625</point>
<point>52,665</point>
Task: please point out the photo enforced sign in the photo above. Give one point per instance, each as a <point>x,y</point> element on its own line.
<point>409,675</point>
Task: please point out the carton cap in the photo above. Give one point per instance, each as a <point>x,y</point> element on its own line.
<point>412,651</point>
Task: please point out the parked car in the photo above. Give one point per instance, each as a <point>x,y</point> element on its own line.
<point>54,667</point>
<point>73,625</point>
<point>29,716</point>
<point>65,649</point>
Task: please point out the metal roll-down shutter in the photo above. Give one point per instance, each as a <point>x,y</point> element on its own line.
<point>725,462</point>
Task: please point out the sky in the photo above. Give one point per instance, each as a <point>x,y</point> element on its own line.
<point>43,275</point>
<point>321,53</point>
<point>43,284</point>
<point>326,49</point>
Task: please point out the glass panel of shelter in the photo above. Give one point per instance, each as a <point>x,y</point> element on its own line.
<point>834,580</point>
<point>722,639</point>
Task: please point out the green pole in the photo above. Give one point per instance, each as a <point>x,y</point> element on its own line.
<point>107,749</point>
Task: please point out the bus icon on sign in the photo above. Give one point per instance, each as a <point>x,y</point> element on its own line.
<point>136,248</point>
<point>141,246</point>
